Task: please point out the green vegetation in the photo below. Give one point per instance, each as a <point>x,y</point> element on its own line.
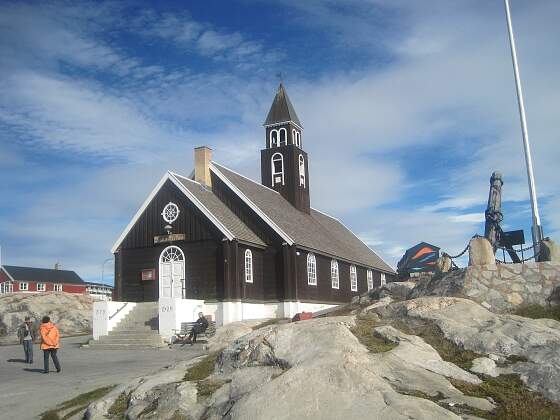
<point>364,332</point>
<point>71,407</point>
<point>539,312</point>
<point>117,410</point>
<point>266,323</point>
<point>202,369</point>
<point>207,387</point>
<point>448,350</point>
<point>343,310</point>
<point>514,400</point>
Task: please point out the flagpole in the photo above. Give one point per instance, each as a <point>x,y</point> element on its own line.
<point>536,230</point>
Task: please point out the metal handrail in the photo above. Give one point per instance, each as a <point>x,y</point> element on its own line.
<point>118,310</point>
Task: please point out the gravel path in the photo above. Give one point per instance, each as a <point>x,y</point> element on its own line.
<point>25,392</point>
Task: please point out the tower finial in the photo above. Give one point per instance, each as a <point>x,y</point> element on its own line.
<point>279,75</point>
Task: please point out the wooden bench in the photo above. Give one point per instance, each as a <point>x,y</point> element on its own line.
<point>186,327</point>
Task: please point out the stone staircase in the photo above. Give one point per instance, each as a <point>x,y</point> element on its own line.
<point>137,330</point>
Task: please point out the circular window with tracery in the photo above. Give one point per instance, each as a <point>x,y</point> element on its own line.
<point>170,212</point>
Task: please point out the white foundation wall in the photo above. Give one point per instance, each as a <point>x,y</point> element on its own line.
<point>172,312</point>
<point>107,314</point>
<point>227,312</point>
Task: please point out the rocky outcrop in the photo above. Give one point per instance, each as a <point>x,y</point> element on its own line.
<point>72,313</point>
<point>229,333</point>
<point>499,288</point>
<point>315,369</point>
<point>472,327</point>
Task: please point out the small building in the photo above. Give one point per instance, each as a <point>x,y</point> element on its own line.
<point>99,291</point>
<point>238,249</point>
<point>14,279</point>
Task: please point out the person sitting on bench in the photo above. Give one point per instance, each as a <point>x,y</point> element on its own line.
<point>198,328</point>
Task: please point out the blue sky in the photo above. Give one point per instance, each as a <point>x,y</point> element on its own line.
<point>407,108</point>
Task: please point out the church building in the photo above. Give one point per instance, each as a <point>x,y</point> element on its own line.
<point>239,249</point>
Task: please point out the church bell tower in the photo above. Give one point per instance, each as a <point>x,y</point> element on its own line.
<point>284,163</point>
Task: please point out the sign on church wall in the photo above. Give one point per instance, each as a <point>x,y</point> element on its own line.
<point>174,237</point>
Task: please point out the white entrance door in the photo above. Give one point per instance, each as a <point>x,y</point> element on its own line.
<point>172,273</point>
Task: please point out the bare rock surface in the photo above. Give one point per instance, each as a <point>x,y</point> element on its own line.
<point>485,366</point>
<point>72,313</point>
<point>472,327</point>
<point>229,333</point>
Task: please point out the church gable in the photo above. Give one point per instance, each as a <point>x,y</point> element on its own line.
<point>200,215</point>
<point>189,222</point>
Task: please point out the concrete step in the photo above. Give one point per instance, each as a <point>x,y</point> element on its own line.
<point>133,333</point>
<point>139,341</point>
<point>99,346</point>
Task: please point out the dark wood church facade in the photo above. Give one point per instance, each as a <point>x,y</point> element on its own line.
<point>248,250</point>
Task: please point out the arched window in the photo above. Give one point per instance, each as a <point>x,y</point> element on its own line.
<point>283,136</point>
<point>248,266</point>
<point>369,280</point>
<point>293,136</point>
<point>334,274</point>
<point>273,138</point>
<point>311,270</point>
<point>298,139</point>
<point>301,171</point>
<point>383,280</point>
<point>353,279</point>
<point>277,164</point>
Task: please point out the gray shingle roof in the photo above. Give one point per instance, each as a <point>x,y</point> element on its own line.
<point>222,212</point>
<point>282,109</point>
<point>317,230</point>
<point>42,275</point>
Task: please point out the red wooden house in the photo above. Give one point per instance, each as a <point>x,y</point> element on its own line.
<point>37,280</point>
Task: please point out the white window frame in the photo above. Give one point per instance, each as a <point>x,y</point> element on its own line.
<point>57,287</point>
<point>6,287</point>
<point>353,278</point>
<point>23,286</point>
<point>335,275</point>
<point>280,142</point>
<point>248,266</point>
<point>41,287</point>
<point>271,142</point>
<point>298,139</point>
<point>311,270</point>
<point>293,136</point>
<point>383,279</point>
<point>273,169</point>
<point>369,279</point>
<point>301,164</point>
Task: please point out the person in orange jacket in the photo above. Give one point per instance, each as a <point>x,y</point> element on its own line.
<point>50,343</point>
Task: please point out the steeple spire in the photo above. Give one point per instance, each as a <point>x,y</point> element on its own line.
<point>282,110</point>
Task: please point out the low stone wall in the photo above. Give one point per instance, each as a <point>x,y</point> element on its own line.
<point>500,288</point>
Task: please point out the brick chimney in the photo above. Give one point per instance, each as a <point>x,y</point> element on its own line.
<point>202,158</point>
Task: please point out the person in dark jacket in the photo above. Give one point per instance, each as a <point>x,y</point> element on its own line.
<point>27,335</point>
<point>199,327</point>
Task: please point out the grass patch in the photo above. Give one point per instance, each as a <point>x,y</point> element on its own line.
<point>343,310</point>
<point>119,407</point>
<point>272,321</point>
<point>514,400</point>
<point>539,312</point>
<point>50,415</point>
<point>432,335</point>
<point>364,332</point>
<point>206,388</point>
<point>202,369</point>
<point>71,407</point>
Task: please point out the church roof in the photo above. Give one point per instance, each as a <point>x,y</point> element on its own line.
<point>316,231</point>
<point>282,109</point>
<point>222,212</point>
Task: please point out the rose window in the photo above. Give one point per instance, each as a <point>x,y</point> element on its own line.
<point>170,212</point>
